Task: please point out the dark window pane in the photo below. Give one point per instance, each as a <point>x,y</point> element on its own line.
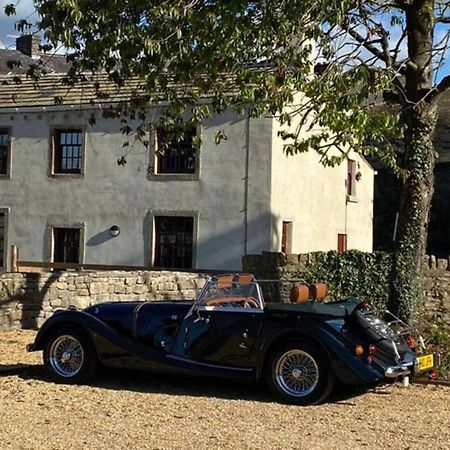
<point>2,239</point>
<point>66,245</point>
<point>173,242</point>
<point>176,156</point>
<point>68,151</point>
<point>4,152</point>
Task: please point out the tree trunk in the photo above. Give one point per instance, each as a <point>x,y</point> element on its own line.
<point>419,117</point>
<point>415,204</point>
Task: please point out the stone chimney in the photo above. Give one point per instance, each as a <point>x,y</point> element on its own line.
<point>28,44</point>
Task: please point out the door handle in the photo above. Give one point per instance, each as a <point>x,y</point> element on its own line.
<point>201,319</point>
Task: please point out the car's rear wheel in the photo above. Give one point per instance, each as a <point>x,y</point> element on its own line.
<point>69,355</point>
<point>298,372</point>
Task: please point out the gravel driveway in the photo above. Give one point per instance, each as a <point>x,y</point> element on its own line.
<point>142,411</point>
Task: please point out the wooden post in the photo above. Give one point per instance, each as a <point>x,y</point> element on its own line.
<point>14,258</point>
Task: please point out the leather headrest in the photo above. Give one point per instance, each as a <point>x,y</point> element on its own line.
<point>299,293</point>
<point>245,278</point>
<point>225,281</point>
<point>318,291</point>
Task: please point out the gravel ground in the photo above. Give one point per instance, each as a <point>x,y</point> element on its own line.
<point>142,411</point>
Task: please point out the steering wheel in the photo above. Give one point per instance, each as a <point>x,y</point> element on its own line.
<point>248,302</point>
<point>251,302</point>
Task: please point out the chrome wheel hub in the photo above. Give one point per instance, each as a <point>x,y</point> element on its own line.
<point>66,356</point>
<point>297,373</point>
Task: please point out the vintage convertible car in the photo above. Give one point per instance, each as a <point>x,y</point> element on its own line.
<point>298,348</point>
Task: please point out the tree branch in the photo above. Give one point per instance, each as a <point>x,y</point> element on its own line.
<point>439,89</point>
<point>442,19</point>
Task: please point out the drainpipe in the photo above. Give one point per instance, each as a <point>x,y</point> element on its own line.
<point>246,176</point>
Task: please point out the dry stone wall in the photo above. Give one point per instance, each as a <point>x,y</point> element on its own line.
<point>28,299</point>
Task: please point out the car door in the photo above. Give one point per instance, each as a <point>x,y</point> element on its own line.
<point>222,336</point>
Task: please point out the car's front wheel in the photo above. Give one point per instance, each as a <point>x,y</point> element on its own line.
<point>69,355</point>
<point>298,372</point>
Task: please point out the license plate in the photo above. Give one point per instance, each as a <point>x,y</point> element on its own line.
<point>425,362</point>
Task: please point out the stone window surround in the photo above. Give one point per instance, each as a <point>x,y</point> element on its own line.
<point>6,211</point>
<point>153,163</point>
<point>172,213</point>
<point>64,224</point>
<point>7,175</point>
<point>51,153</point>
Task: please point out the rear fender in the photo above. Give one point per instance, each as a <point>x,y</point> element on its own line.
<point>346,366</point>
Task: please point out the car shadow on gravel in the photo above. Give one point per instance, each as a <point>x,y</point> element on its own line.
<point>344,395</point>
<point>24,371</point>
<point>154,383</point>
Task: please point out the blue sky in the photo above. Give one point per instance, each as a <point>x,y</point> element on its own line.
<point>25,10</point>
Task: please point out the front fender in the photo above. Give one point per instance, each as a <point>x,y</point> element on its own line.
<point>70,316</point>
<point>109,345</point>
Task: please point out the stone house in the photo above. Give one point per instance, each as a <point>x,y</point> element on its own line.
<point>67,195</point>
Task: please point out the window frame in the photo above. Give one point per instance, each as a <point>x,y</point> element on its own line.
<point>186,259</point>
<point>51,241</point>
<point>154,172</point>
<point>8,131</point>
<point>342,242</point>
<point>4,266</point>
<point>55,246</point>
<point>55,171</point>
<point>287,233</point>
<point>350,183</point>
<point>153,214</point>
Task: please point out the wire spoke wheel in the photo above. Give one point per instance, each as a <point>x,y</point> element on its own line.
<point>66,356</point>
<point>297,373</point>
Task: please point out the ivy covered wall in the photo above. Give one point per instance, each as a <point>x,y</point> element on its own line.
<point>352,273</point>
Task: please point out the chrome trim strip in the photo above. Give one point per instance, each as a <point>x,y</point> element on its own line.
<point>230,309</point>
<point>202,364</point>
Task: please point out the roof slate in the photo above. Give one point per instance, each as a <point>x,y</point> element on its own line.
<point>52,89</point>
<point>52,63</point>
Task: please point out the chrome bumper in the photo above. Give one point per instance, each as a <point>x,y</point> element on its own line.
<point>397,371</point>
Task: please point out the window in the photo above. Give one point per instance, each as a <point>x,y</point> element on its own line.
<point>2,240</point>
<point>351,178</point>
<point>342,243</point>
<point>66,245</point>
<point>175,156</point>
<point>68,151</point>
<point>286,238</point>
<point>173,242</point>
<point>4,152</point>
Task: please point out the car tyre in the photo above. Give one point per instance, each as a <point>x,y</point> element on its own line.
<point>299,372</point>
<point>69,355</point>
